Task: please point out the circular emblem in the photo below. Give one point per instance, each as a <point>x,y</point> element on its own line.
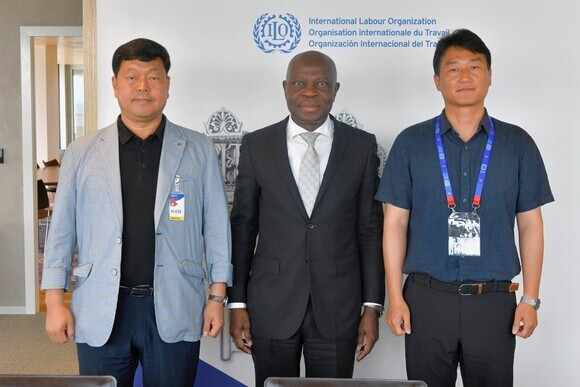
<point>277,33</point>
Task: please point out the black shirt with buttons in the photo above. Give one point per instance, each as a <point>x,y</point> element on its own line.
<point>139,163</point>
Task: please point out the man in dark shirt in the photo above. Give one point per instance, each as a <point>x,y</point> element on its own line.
<point>145,202</point>
<point>454,186</point>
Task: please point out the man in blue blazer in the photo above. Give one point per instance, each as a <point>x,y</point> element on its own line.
<point>144,201</point>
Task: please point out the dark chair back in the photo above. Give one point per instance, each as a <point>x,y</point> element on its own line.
<point>51,163</point>
<point>58,380</point>
<point>330,382</point>
<point>42,194</point>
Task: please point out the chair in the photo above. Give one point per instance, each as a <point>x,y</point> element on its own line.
<point>58,380</point>
<point>51,163</point>
<point>330,382</point>
<point>43,205</point>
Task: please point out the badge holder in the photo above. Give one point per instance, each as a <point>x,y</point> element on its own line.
<point>464,230</point>
<point>177,202</point>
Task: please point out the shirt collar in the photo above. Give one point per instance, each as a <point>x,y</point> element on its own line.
<point>125,134</point>
<point>484,123</point>
<point>326,129</point>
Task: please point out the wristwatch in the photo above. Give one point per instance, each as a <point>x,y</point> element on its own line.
<point>534,302</point>
<point>220,299</point>
<point>378,308</point>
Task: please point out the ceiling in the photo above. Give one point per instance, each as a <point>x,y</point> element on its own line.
<point>69,49</point>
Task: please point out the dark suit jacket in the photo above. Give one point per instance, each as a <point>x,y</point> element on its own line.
<point>333,257</point>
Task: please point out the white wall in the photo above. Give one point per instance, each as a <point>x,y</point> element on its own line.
<point>535,85</point>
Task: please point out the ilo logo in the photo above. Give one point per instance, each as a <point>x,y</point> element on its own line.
<point>277,33</point>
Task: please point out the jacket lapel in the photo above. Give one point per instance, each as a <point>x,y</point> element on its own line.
<point>280,155</point>
<point>171,152</point>
<point>107,148</point>
<point>339,145</point>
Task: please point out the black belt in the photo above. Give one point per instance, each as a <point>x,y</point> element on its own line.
<point>137,291</point>
<point>466,288</point>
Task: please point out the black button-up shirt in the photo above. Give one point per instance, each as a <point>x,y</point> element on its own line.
<point>139,163</point>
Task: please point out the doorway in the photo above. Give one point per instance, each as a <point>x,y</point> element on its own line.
<point>29,36</point>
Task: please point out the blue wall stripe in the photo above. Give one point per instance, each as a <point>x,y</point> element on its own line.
<point>207,376</point>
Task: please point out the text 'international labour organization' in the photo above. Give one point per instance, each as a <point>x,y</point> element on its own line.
<point>282,33</point>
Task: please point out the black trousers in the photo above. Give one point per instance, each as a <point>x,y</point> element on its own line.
<point>323,358</point>
<point>135,339</point>
<point>450,329</point>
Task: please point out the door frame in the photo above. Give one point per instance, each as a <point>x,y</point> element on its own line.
<point>29,210</point>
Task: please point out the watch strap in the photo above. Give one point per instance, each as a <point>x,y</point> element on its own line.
<point>220,299</point>
<point>534,302</point>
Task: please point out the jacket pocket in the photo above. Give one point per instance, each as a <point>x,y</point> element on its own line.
<point>193,268</point>
<point>82,270</point>
<point>266,264</point>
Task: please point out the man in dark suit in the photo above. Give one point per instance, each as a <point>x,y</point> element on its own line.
<point>304,195</point>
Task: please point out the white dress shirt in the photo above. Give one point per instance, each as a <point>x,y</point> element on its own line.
<point>297,145</point>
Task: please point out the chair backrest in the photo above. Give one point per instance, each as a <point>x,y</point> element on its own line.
<point>58,380</point>
<point>330,382</point>
<point>42,194</point>
<point>51,163</point>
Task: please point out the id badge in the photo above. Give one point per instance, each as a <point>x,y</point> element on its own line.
<point>464,231</point>
<point>176,203</point>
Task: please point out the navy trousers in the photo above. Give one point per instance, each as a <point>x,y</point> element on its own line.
<point>135,339</point>
<point>449,329</point>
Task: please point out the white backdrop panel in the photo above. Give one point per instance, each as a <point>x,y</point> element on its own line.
<point>535,85</point>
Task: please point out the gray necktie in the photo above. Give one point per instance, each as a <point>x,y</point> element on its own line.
<point>309,175</point>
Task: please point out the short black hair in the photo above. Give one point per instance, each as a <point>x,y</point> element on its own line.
<point>141,49</point>
<point>460,38</point>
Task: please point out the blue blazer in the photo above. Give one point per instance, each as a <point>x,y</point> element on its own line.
<point>88,211</point>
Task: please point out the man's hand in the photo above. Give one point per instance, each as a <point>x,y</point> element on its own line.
<point>213,318</point>
<point>531,233</point>
<point>368,333</point>
<point>240,329</point>
<point>525,320</point>
<point>213,314</point>
<point>59,320</point>
<point>394,251</point>
<point>399,318</point>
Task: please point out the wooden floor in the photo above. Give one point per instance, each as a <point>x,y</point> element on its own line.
<point>42,294</point>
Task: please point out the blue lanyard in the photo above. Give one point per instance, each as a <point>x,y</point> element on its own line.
<point>445,172</point>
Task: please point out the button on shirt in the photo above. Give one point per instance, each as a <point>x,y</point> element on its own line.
<point>139,163</point>
<point>516,181</point>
